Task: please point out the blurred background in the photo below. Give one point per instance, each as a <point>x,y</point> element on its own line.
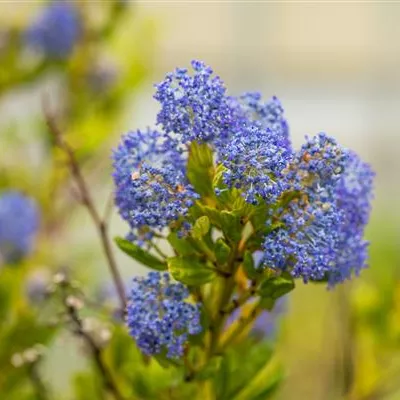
<point>335,66</point>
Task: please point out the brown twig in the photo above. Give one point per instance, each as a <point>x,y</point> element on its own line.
<point>37,382</point>
<point>100,223</point>
<point>95,350</point>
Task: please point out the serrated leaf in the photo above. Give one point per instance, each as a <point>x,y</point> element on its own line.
<point>190,271</point>
<point>276,287</point>
<point>140,255</point>
<point>201,227</point>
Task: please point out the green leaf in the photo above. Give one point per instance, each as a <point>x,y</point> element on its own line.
<point>190,271</point>
<point>200,169</point>
<point>210,369</point>
<point>276,287</point>
<point>181,245</point>
<point>201,227</point>
<point>227,221</point>
<point>222,251</point>
<point>140,255</point>
<point>248,266</point>
<point>223,378</point>
<point>231,226</point>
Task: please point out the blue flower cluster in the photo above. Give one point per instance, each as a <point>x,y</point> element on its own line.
<point>322,228</point>
<point>353,197</point>
<point>19,222</point>
<point>254,161</point>
<point>318,197</point>
<point>267,115</point>
<point>159,316</point>
<point>194,107</point>
<point>56,30</point>
<point>151,186</point>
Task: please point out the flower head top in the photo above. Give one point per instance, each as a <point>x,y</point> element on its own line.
<point>194,107</point>
<point>151,186</point>
<point>56,30</point>
<point>267,114</point>
<point>19,222</point>
<point>159,317</point>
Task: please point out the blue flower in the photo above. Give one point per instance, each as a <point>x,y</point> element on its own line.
<point>354,193</point>
<point>56,30</point>
<point>19,223</point>
<point>159,316</point>
<point>254,159</point>
<point>268,115</point>
<point>320,233</point>
<point>194,107</point>
<point>151,185</point>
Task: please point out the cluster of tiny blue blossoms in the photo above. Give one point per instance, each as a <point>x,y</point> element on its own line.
<point>318,198</point>
<point>151,186</point>
<point>56,30</point>
<point>322,230</point>
<point>159,316</point>
<point>19,223</point>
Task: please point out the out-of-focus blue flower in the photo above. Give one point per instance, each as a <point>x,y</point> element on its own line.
<point>55,31</point>
<point>159,316</point>
<point>266,324</point>
<point>152,189</point>
<point>37,285</point>
<point>19,222</point>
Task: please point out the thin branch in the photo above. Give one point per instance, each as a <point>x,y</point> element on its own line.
<point>240,325</point>
<point>37,382</point>
<point>108,380</point>
<point>87,200</point>
<point>108,209</point>
<point>240,301</point>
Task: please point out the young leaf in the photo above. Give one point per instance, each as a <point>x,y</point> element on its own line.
<point>140,255</point>
<point>201,227</point>
<point>222,251</point>
<point>200,169</point>
<point>248,266</point>
<point>190,271</point>
<point>181,245</point>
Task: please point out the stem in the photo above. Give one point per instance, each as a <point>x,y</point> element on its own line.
<point>227,290</point>
<point>241,325</point>
<point>237,303</point>
<point>37,382</point>
<point>100,223</point>
<point>108,380</point>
